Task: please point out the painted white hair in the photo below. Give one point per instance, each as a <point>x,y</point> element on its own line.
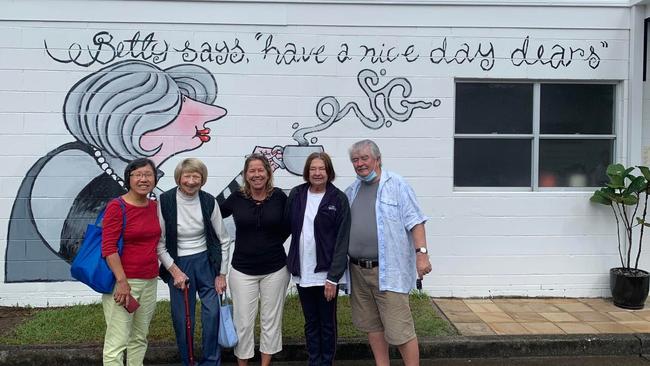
<point>113,107</point>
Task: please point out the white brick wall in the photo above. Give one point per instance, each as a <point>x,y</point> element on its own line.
<point>483,243</point>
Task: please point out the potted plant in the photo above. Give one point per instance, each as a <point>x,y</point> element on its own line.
<point>627,195</point>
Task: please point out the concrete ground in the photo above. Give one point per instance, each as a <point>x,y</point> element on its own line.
<point>527,332</point>
<point>530,316</point>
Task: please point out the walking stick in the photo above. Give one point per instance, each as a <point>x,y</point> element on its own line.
<point>188,324</point>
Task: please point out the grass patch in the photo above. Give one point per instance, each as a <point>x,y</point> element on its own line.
<point>84,324</point>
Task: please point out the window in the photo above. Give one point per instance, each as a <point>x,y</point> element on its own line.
<point>533,135</point>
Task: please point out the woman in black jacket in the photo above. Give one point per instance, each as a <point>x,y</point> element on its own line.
<point>319,215</point>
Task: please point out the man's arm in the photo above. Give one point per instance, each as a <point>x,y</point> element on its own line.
<point>422,263</point>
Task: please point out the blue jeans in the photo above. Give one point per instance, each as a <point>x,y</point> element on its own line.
<point>201,274</point>
<point>320,325</point>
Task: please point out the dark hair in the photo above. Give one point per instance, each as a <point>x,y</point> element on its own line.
<point>137,164</point>
<point>329,168</point>
<point>246,187</point>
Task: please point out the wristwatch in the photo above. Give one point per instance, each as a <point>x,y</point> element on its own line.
<point>422,250</point>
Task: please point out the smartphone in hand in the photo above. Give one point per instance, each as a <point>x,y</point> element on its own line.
<point>133,304</point>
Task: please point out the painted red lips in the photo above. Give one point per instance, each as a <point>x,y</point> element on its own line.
<point>203,134</point>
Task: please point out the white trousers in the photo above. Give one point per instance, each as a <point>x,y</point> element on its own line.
<point>270,290</point>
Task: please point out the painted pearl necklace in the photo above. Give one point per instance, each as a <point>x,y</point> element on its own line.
<point>105,167</point>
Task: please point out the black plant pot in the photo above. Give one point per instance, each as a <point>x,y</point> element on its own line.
<point>629,287</point>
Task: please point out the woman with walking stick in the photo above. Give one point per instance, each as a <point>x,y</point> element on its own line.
<point>193,250</point>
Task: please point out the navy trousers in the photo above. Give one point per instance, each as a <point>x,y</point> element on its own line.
<point>201,274</point>
<point>320,325</point>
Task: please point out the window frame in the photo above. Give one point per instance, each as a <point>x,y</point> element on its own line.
<point>535,136</point>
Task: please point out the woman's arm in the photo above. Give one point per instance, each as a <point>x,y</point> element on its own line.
<point>225,208</point>
<point>340,255</point>
<point>112,230</point>
<point>122,288</point>
<point>225,239</point>
<point>178,276</point>
<point>161,249</point>
<point>283,199</point>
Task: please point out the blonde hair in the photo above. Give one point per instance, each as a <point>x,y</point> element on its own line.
<point>246,188</point>
<point>191,165</point>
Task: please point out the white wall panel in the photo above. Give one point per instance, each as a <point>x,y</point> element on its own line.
<point>487,243</point>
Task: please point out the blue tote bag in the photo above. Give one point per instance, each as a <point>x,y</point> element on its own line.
<point>227,333</point>
<point>88,265</point>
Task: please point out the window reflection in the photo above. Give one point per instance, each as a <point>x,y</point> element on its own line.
<point>574,163</point>
<point>492,163</point>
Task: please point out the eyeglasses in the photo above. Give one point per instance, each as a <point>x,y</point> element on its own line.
<point>141,175</point>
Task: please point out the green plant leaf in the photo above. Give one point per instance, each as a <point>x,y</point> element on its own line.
<point>615,170</point>
<point>609,192</point>
<point>600,197</point>
<point>645,171</point>
<point>629,199</point>
<point>638,184</point>
<point>616,182</point>
<point>616,185</point>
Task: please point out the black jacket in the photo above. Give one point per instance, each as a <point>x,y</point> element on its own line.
<point>331,230</point>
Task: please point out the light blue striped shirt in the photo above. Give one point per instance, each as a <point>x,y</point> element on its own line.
<point>397,213</point>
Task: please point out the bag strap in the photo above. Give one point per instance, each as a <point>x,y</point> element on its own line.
<point>100,217</point>
<point>224,298</point>
<point>120,241</point>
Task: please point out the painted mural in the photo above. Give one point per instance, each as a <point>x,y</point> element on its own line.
<point>131,109</point>
<point>127,105</point>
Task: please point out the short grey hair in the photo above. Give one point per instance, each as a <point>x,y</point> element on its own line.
<point>360,145</point>
<point>191,165</point>
<point>113,107</point>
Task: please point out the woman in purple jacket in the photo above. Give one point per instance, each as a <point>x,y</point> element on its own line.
<point>319,215</point>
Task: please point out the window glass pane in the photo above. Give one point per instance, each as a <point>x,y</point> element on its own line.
<point>492,162</point>
<point>574,163</point>
<point>494,108</point>
<point>577,108</point>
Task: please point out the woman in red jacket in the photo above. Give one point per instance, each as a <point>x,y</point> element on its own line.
<point>136,270</point>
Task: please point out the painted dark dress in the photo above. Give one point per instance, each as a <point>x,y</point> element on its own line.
<point>40,245</point>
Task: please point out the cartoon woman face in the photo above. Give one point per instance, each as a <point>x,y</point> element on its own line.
<point>186,132</point>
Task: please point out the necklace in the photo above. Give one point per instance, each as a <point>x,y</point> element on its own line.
<point>105,167</point>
